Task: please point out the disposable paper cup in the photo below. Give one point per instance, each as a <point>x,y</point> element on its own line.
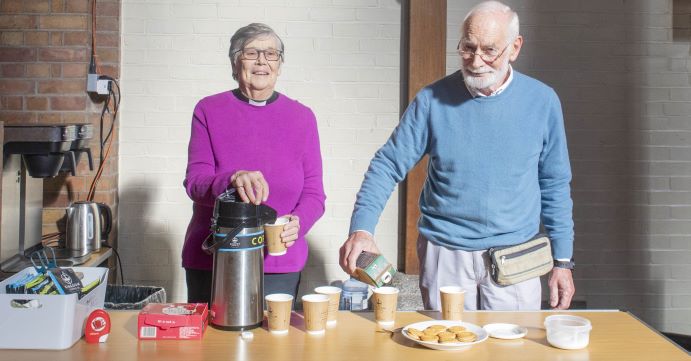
<point>316,309</point>
<point>272,234</point>
<point>452,301</point>
<point>385,300</point>
<point>334,294</point>
<point>279,306</point>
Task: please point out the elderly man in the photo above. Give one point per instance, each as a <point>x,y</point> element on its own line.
<point>498,165</point>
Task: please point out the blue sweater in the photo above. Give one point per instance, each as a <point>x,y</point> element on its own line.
<point>497,166</point>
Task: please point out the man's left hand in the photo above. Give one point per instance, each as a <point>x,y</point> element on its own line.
<point>561,288</point>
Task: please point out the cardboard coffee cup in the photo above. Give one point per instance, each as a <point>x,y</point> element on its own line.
<point>385,300</point>
<point>278,307</point>
<point>452,301</point>
<point>272,233</point>
<point>316,309</point>
<point>334,294</point>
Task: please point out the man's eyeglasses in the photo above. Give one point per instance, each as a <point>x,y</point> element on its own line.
<point>253,54</point>
<point>489,55</point>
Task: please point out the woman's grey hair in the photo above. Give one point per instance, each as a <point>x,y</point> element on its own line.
<point>245,35</point>
<point>497,7</point>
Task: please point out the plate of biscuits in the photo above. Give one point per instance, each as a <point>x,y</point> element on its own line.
<point>445,335</point>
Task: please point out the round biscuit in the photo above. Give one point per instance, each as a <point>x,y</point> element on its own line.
<point>432,331</point>
<point>425,337</point>
<point>413,332</point>
<point>467,338</point>
<point>446,335</point>
<point>456,329</point>
<point>452,340</point>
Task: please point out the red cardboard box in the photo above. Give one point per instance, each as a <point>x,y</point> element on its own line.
<point>172,321</point>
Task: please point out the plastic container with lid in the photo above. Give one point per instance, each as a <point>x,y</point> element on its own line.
<point>567,331</point>
<point>354,295</point>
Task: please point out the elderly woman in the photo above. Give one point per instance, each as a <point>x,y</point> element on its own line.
<point>263,144</point>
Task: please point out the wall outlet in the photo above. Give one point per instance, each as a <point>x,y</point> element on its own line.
<point>91,80</point>
<point>102,86</point>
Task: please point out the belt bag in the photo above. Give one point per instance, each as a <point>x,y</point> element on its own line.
<point>514,264</point>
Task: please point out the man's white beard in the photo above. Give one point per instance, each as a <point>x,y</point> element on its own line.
<point>492,79</point>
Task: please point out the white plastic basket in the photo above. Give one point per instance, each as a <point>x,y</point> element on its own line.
<point>57,322</point>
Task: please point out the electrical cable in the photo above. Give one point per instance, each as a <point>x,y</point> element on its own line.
<point>94,56</point>
<point>117,255</point>
<point>116,100</point>
<point>106,142</point>
<point>48,236</point>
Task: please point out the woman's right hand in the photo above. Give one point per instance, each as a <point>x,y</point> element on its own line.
<point>251,186</point>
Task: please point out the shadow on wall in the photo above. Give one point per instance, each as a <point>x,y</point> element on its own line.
<point>146,246</point>
<point>314,273</point>
<point>596,63</point>
<point>681,20</point>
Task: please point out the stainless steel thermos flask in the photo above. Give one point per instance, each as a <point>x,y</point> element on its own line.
<point>237,244</point>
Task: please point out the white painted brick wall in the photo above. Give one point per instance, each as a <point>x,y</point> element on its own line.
<point>623,78</point>
<point>621,70</point>
<point>342,60</point>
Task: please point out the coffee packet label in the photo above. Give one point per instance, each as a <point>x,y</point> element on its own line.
<point>66,280</point>
<point>373,269</point>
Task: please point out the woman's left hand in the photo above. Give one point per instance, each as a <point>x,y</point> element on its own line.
<point>290,230</point>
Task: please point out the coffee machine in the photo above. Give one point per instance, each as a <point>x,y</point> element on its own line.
<point>31,153</point>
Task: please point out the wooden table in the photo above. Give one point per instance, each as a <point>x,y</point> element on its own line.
<point>615,336</point>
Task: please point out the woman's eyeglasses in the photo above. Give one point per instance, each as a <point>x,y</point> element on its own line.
<point>253,54</point>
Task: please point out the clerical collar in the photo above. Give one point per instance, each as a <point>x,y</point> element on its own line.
<point>260,103</point>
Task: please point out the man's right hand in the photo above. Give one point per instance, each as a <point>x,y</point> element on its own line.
<point>357,242</point>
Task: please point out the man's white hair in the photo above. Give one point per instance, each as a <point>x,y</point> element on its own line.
<point>496,7</point>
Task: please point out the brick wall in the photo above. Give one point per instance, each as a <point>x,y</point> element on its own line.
<point>342,60</point>
<point>44,55</point>
<point>621,69</point>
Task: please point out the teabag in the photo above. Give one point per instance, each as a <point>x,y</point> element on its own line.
<point>373,269</point>
<point>66,280</point>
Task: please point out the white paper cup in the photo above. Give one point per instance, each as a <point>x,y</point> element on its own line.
<point>452,301</point>
<point>316,309</point>
<point>334,294</point>
<point>278,306</point>
<point>272,233</point>
<point>385,301</point>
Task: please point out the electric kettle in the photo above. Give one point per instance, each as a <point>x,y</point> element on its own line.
<point>88,223</point>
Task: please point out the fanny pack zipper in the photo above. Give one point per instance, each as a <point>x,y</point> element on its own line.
<point>491,251</point>
<point>522,252</point>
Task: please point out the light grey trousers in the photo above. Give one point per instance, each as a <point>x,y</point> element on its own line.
<point>440,266</point>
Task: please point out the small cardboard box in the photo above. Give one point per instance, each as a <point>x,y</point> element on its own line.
<point>172,321</point>
<point>373,269</point>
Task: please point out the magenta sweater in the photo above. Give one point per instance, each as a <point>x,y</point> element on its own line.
<point>280,140</point>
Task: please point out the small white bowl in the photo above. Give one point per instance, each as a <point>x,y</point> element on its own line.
<point>568,332</point>
<point>506,331</point>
